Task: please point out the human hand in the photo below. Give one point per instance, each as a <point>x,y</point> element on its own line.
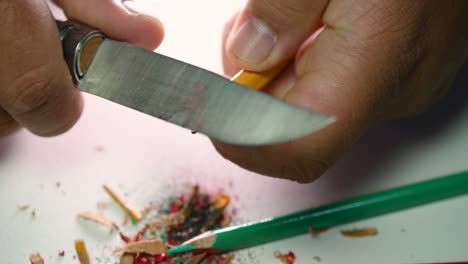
<point>373,60</point>
<point>36,89</point>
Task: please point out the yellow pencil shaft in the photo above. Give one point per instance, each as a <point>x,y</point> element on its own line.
<point>258,80</point>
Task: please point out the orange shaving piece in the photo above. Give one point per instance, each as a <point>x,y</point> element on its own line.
<point>98,218</point>
<point>134,213</point>
<point>195,259</point>
<point>360,232</point>
<point>221,201</point>
<point>36,259</point>
<point>81,252</point>
<point>151,247</point>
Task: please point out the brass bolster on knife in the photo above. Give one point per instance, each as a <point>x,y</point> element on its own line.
<point>80,44</point>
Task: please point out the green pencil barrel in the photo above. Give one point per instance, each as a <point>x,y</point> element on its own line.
<point>342,212</point>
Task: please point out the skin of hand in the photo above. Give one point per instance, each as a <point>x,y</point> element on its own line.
<point>36,89</point>
<point>361,61</point>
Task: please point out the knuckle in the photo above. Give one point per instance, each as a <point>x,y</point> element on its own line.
<point>279,14</point>
<point>33,91</point>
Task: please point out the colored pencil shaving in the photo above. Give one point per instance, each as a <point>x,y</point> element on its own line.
<point>23,207</point>
<point>288,258</point>
<point>150,247</point>
<point>36,259</point>
<point>195,259</point>
<point>184,215</point>
<point>81,252</point>
<point>132,212</point>
<point>200,213</point>
<point>98,218</point>
<point>127,259</point>
<point>360,232</point>
<point>184,219</point>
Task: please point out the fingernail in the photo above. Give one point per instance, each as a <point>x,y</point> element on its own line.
<point>133,6</point>
<point>253,41</point>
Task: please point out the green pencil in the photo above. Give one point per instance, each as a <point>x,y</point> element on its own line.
<point>354,209</point>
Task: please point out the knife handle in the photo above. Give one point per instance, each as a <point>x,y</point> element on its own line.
<point>80,44</point>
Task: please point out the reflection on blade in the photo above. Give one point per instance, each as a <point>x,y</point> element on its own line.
<point>194,98</point>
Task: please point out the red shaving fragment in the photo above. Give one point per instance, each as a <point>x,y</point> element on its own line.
<point>316,231</point>
<point>61,253</point>
<point>125,238</point>
<point>139,235</point>
<point>159,257</point>
<point>177,205</point>
<point>288,258</point>
<point>141,260</point>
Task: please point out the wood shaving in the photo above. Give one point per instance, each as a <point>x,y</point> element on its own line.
<point>228,259</point>
<point>81,252</point>
<point>33,213</point>
<point>151,247</point>
<point>102,204</point>
<point>221,201</point>
<point>317,258</point>
<point>360,232</point>
<point>127,259</point>
<point>147,211</point>
<point>99,219</point>
<point>23,207</point>
<point>167,220</point>
<point>195,259</point>
<point>36,259</point>
<point>126,219</point>
<point>132,212</point>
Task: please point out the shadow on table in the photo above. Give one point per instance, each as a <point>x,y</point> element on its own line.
<point>384,142</point>
<point>6,144</point>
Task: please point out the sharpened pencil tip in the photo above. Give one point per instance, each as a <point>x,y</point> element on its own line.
<point>180,249</point>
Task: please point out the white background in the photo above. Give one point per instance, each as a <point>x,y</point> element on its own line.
<point>149,160</point>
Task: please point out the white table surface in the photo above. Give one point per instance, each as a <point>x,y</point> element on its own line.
<point>150,160</point>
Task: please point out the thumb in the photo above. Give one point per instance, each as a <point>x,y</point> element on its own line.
<point>269,32</point>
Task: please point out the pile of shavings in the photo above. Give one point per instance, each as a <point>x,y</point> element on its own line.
<point>181,219</point>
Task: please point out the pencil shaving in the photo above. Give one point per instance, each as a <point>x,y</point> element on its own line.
<point>23,207</point>
<point>81,252</point>
<point>195,259</point>
<point>221,201</point>
<point>167,220</point>
<point>288,258</point>
<point>127,259</point>
<point>36,259</point>
<point>98,218</point>
<point>360,232</point>
<point>228,259</point>
<point>132,212</point>
<point>151,247</point>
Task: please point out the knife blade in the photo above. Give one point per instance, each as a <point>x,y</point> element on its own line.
<point>181,93</point>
